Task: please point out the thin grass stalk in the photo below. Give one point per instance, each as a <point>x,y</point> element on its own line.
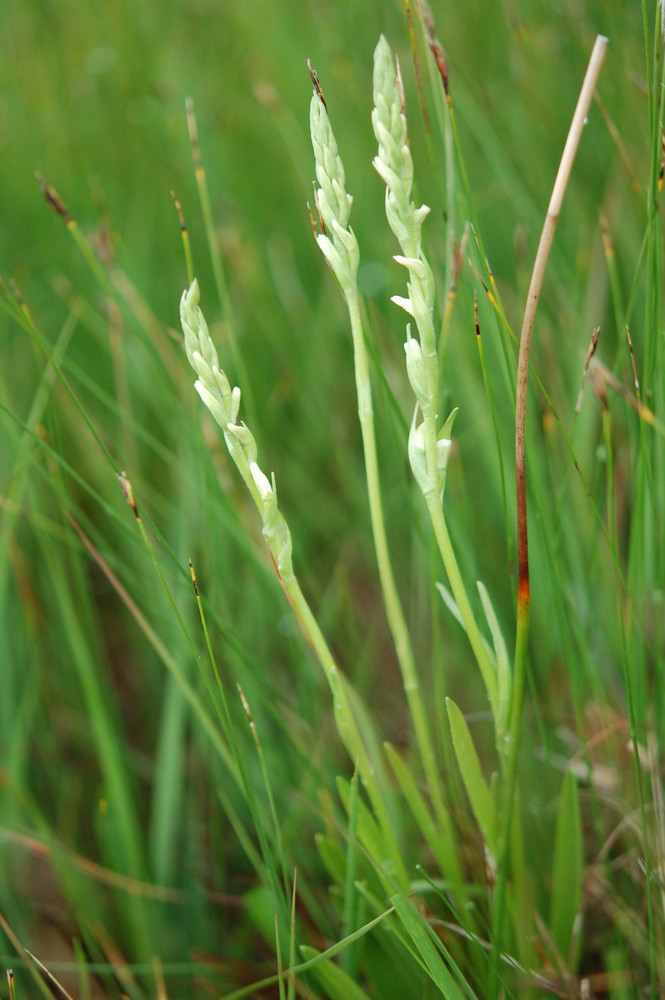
<point>25,320</point>
<point>523,582</point>
<point>344,718</point>
<point>214,249</point>
<point>161,651</point>
<point>394,612</point>
<point>489,284</point>
<point>495,430</point>
<point>232,759</point>
<point>628,681</point>
<point>279,891</point>
<point>56,203</point>
<point>119,819</point>
<point>292,941</point>
<point>184,235</point>
<point>645,553</point>
<point>274,816</point>
<point>335,949</point>
<point>349,923</point>
<point>25,958</point>
<point>16,483</point>
<point>437,70</point>
<point>280,963</point>
<point>423,13</point>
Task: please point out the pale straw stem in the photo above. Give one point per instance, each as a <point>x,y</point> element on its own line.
<point>523,589</point>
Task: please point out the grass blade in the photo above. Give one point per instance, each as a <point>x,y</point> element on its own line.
<point>567,868</point>
<point>479,794</point>
<point>422,935</point>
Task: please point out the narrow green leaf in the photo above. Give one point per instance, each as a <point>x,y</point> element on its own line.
<point>439,841</point>
<point>420,935</point>
<point>379,850</point>
<point>521,891</point>
<point>367,829</point>
<point>489,674</point>
<point>337,984</point>
<point>479,794</point>
<point>503,671</point>
<point>567,869</point>
<point>280,964</point>
<point>292,943</point>
<point>332,856</point>
<point>350,894</point>
<point>451,604</point>
<point>167,798</point>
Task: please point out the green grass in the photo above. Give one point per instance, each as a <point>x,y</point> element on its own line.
<point>163,833</point>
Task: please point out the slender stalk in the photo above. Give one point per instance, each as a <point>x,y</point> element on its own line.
<point>537,277</point>
<point>428,445</point>
<point>392,604</point>
<point>219,273</point>
<point>223,402</point>
<point>523,582</point>
<point>338,243</point>
<point>629,685</point>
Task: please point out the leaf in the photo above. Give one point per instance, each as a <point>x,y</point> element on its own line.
<point>421,935</point>
<point>337,984</point>
<point>365,826</point>
<point>479,794</point>
<point>489,678</point>
<point>567,868</point>
<point>503,672</point>
<point>332,857</point>
<point>451,604</point>
<point>439,838</point>
<point>378,851</point>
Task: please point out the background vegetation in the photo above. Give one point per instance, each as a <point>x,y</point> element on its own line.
<point>135,859</point>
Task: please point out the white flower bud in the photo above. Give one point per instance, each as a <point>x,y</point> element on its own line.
<point>415,367</point>
<point>403,303</point>
<point>417,457</point>
<point>263,484</point>
<point>243,434</point>
<point>216,409</point>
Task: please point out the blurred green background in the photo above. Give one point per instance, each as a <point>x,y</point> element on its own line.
<point>93,97</point>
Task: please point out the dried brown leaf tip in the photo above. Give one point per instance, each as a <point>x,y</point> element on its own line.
<point>636,381</point>
<point>53,199</point>
<point>317,85</point>
<point>435,46</point>
<point>592,348</point>
<point>600,377</point>
<point>320,226</point>
<point>178,208</point>
<point>194,581</point>
<point>589,355</point>
<point>128,493</point>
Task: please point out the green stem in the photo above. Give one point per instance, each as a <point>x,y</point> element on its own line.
<point>345,720</point>
<point>392,604</point>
